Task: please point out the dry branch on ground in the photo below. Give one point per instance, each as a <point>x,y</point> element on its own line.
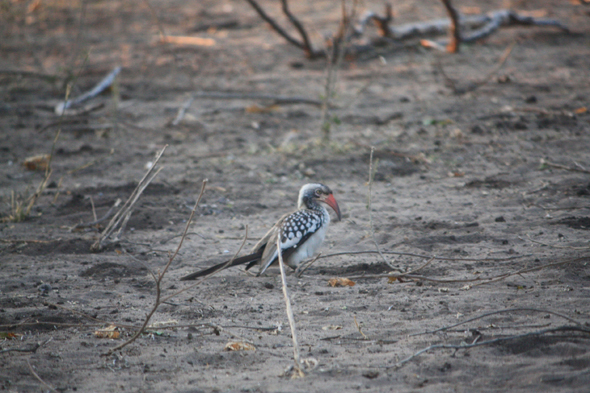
<point>120,219</point>
<point>461,28</point>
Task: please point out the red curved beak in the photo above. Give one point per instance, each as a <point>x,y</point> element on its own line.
<point>331,201</point>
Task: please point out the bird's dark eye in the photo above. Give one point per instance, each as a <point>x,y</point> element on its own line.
<point>317,193</point>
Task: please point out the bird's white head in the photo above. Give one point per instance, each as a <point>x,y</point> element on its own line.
<point>312,193</point>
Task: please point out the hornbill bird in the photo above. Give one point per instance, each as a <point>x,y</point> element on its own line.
<point>301,234</point>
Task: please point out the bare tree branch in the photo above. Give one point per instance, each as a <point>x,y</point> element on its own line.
<point>382,22</point>
<point>305,44</point>
<point>307,48</point>
<point>454,28</point>
<point>289,310</point>
<point>462,28</point>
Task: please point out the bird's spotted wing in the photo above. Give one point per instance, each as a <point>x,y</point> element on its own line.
<point>293,230</point>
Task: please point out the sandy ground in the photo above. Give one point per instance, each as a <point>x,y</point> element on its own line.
<point>459,177</point>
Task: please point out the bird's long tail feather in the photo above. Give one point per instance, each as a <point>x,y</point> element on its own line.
<point>251,260</point>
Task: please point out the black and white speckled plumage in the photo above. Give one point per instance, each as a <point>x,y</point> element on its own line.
<point>301,224</point>
<point>301,233</point>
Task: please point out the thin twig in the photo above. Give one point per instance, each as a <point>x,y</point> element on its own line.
<point>307,48</point>
<point>160,277</point>
<point>335,56</point>
<point>123,213</point>
<point>360,329</point>
<point>472,86</point>
<point>164,241</point>
<point>509,310</point>
<point>96,160</point>
<point>28,240</point>
<point>300,272</point>
<point>325,123</point>
<point>277,99</point>
<point>554,245</point>
<point>61,324</point>
<point>53,305</point>
<point>558,208</point>
<point>107,81</point>
<point>493,341</point>
<point>48,170</point>
<point>95,222</point>
<point>564,167</point>
<point>228,263</point>
<point>479,280</point>
<point>93,208</point>
<point>158,23</point>
<point>416,270</point>
<point>370,207</point>
<point>182,111</point>
<point>304,44</point>
<point>29,348</point>
<point>274,24</point>
<point>29,74</point>
<point>410,254</point>
<point>529,270</point>
<point>99,322</point>
<point>298,372</point>
<point>39,378</point>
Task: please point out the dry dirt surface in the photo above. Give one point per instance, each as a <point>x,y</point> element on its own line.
<point>459,177</point>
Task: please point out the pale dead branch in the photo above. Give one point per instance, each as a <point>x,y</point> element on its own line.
<point>297,370</point>
<point>182,111</point>
<point>39,378</point>
<point>97,221</point>
<point>120,219</point>
<point>106,82</point>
